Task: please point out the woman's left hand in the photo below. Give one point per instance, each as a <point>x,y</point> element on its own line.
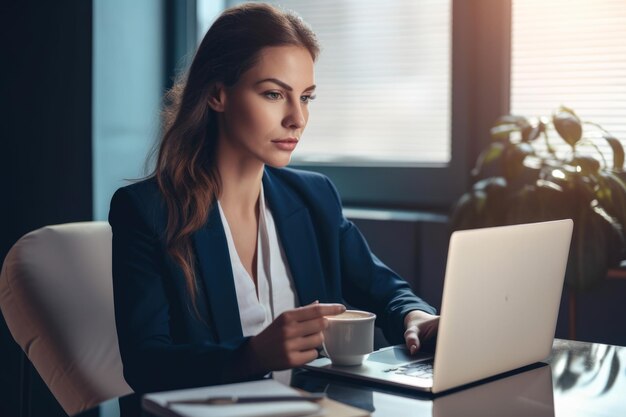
<point>420,327</point>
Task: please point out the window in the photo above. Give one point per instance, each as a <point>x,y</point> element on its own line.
<point>383,79</point>
<point>396,121</point>
<point>572,53</point>
<point>384,93</point>
<point>206,12</point>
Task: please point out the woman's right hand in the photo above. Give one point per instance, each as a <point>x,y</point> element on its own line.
<point>292,338</point>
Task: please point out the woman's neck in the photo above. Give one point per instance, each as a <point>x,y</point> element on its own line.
<point>241,184</point>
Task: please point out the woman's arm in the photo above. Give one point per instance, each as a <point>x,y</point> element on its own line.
<point>368,283</point>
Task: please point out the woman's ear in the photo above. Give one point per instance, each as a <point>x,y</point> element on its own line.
<point>217,98</point>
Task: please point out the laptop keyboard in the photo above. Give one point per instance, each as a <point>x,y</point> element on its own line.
<point>422,369</point>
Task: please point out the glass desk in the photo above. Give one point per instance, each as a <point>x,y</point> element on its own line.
<point>577,379</point>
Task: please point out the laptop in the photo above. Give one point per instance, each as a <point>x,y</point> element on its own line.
<point>500,304</point>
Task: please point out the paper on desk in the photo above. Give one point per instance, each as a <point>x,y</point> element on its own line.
<point>157,403</point>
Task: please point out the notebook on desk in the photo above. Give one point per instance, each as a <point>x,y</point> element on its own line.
<point>179,403</point>
<point>500,304</point>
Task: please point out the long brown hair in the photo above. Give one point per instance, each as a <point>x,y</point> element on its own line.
<point>185,169</point>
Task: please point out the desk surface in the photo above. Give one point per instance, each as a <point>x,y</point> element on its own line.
<point>578,379</point>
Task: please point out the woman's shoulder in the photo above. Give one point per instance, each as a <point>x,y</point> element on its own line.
<point>144,192</point>
<point>312,189</point>
<point>301,179</point>
<point>141,199</point>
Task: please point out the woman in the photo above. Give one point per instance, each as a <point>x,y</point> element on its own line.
<point>214,252</point>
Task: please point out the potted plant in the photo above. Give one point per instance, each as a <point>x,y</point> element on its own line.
<point>522,177</point>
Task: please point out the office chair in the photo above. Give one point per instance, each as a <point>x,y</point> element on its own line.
<point>56,296</point>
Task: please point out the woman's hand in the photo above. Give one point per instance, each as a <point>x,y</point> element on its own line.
<point>420,327</point>
<point>292,338</point>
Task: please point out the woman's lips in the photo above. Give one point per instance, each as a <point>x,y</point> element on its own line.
<point>287,144</point>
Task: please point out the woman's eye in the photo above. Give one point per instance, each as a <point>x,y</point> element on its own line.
<point>307,98</point>
<point>273,95</point>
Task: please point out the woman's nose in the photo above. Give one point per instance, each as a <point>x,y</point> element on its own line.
<point>295,118</point>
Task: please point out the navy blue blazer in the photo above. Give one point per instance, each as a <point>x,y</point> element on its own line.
<point>162,342</point>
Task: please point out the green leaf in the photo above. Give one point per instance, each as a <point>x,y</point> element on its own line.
<point>611,195</point>
<point>483,206</point>
<point>490,184</point>
<point>545,184</point>
<point>505,125</point>
<point>586,165</point>
<point>614,235</point>
<point>541,201</point>
<point>487,159</point>
<point>618,152</point>
<point>568,125</point>
<point>583,188</point>
<point>520,121</point>
<point>514,156</point>
<point>467,213</point>
<point>536,131</point>
<point>502,132</point>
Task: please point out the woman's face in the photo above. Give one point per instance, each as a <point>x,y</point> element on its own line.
<point>263,115</point>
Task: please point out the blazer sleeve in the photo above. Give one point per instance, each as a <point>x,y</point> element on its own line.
<point>368,283</point>
<point>152,360</point>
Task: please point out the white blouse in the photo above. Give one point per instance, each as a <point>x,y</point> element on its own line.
<point>276,291</point>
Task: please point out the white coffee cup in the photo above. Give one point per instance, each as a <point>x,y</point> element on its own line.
<point>349,338</point>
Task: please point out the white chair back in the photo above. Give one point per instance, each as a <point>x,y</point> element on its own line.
<point>56,295</point>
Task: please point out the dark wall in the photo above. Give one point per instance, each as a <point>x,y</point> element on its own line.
<point>415,249</point>
<point>45,142</point>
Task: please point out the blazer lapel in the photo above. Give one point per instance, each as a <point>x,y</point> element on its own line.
<point>296,234</point>
<point>217,275</point>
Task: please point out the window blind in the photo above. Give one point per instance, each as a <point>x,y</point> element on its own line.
<point>384,82</point>
<point>572,53</point>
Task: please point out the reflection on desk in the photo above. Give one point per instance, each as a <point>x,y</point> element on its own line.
<point>579,379</point>
<point>527,393</point>
<point>588,378</point>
